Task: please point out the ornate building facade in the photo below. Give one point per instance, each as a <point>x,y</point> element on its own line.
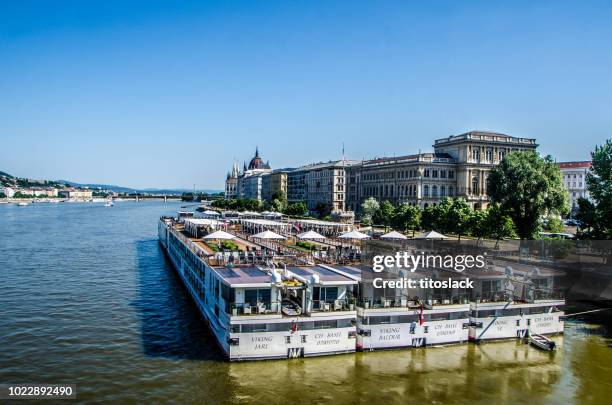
<point>458,167</point>
<point>248,183</point>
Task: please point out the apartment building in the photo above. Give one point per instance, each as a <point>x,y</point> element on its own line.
<point>574,180</point>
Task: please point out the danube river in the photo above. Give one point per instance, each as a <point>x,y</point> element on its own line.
<point>87,297</point>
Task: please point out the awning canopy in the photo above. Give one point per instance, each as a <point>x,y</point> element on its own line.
<point>310,235</point>
<point>431,235</point>
<point>268,235</point>
<point>353,235</point>
<point>393,235</point>
<point>219,235</point>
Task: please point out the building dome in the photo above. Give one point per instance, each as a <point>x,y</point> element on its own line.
<point>257,162</point>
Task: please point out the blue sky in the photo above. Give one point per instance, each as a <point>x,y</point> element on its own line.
<point>160,94</point>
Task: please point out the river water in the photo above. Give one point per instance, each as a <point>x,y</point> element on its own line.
<point>87,297</point>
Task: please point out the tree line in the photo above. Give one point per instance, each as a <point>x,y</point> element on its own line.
<point>278,203</point>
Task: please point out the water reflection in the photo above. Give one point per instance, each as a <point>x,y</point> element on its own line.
<point>170,325</point>
<point>489,372</point>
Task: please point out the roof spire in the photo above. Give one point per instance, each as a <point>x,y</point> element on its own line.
<point>257,151</point>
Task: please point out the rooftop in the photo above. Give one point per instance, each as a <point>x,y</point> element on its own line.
<point>487,136</point>
<point>324,274</point>
<point>575,165</point>
<point>244,276</point>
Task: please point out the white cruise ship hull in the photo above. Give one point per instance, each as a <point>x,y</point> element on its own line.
<point>501,326</point>
<point>411,334</point>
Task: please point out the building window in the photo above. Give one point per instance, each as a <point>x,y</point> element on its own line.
<point>475,185</point>
<point>451,174</point>
<point>434,174</point>
<point>425,191</point>
<point>434,191</point>
<point>450,191</point>
<point>442,191</point>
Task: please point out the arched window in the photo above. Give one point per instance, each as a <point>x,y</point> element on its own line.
<point>450,191</point>
<point>434,191</point>
<point>442,191</point>
<point>426,191</point>
<point>475,185</point>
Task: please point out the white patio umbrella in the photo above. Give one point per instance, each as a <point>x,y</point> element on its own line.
<point>353,235</point>
<point>310,235</point>
<point>431,235</point>
<point>268,235</point>
<point>219,236</point>
<point>393,235</point>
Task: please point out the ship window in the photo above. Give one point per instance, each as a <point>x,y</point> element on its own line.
<point>528,322</point>
<point>426,329</point>
<point>404,318</point>
<point>257,327</point>
<point>459,315</point>
<point>235,328</point>
<point>345,323</point>
<point>303,338</point>
<point>325,324</point>
<point>278,327</point>
<point>378,320</point>
<point>440,316</point>
<point>288,339</point>
<point>326,294</point>
<point>485,313</point>
<point>252,297</point>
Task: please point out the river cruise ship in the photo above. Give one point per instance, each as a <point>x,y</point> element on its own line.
<point>267,295</point>
<point>258,307</point>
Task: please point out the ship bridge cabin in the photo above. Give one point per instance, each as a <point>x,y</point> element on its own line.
<point>288,292</point>
<point>288,312</point>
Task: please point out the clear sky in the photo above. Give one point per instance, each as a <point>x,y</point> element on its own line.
<point>167,94</point>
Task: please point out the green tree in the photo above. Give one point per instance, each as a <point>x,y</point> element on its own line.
<point>368,209</point>
<point>554,224</point>
<point>587,214</point>
<point>407,217</point>
<point>457,217</point>
<point>477,224</point>
<point>297,209</point>
<point>433,217</point>
<point>598,216</point>
<point>385,213</point>
<point>499,226</point>
<point>527,186</point>
<point>278,206</point>
<point>322,209</point>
